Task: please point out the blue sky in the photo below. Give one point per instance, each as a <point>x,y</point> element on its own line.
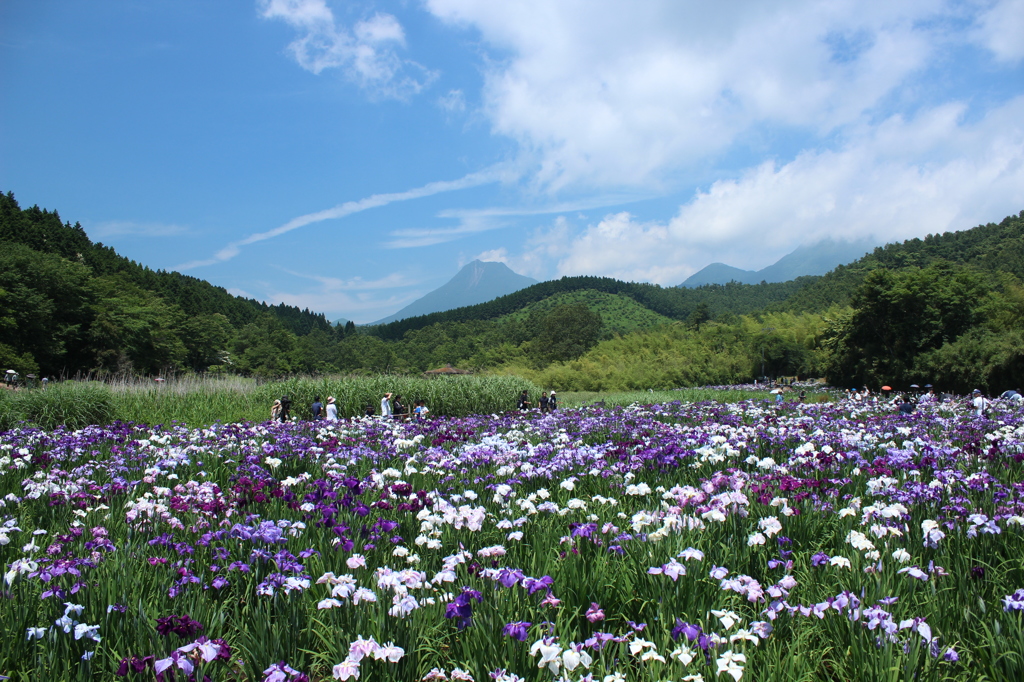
<point>351,156</point>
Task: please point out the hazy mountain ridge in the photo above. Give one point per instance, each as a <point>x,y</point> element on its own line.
<point>816,259</point>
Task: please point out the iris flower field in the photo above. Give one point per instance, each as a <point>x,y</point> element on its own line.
<point>703,541</point>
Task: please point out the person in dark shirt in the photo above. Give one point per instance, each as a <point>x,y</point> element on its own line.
<point>317,409</point>
<point>397,408</point>
<point>524,401</point>
<point>286,408</point>
<point>544,402</point>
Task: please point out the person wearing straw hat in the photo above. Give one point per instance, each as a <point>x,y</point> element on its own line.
<point>275,411</point>
<point>332,409</point>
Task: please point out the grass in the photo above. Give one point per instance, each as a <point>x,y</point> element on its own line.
<point>686,395</point>
<point>199,401</point>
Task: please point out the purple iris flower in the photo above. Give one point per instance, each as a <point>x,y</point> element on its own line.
<point>461,608</point>
<point>536,584</point>
<point>518,630</point>
<point>682,628</point>
<point>182,625</point>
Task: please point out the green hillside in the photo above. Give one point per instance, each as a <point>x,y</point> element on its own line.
<point>676,303</point>
<point>619,314</point>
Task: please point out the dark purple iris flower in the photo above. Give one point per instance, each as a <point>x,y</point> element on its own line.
<point>689,630</point>
<point>182,625</point>
<point>518,630</point>
<point>461,608</point>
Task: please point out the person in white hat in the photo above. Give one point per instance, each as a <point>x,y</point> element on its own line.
<point>332,409</point>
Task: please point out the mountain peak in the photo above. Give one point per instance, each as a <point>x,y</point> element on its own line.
<point>477,282</point>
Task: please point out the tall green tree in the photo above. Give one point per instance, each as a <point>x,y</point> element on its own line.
<point>45,308</point>
<point>901,314</point>
<point>134,330</point>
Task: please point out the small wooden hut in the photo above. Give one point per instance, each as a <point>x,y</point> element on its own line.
<point>445,371</point>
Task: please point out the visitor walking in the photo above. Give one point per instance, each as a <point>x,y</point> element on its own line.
<point>544,400</point>
<point>552,402</point>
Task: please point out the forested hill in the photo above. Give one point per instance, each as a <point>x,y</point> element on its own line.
<point>43,231</point>
<point>674,302</point>
<point>69,306</point>
<point>986,248</point>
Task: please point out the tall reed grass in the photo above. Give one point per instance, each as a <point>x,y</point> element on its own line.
<point>204,400</point>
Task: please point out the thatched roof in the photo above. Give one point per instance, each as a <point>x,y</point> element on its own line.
<point>445,371</point>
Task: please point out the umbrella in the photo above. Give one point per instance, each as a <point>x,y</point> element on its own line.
<point>886,388</point>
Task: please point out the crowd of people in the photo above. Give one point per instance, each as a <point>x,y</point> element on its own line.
<point>393,408</point>
<point>548,402</point>
<point>908,401</point>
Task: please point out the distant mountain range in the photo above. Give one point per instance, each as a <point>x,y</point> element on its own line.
<point>806,260</point>
<point>477,282</point>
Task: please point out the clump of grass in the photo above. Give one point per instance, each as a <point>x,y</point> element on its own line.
<point>74,404</point>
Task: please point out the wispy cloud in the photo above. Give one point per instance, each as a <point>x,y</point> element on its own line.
<point>366,52</point>
<point>413,238</point>
<point>116,228</point>
<point>489,175</point>
<point>395,280</point>
<point>475,220</point>
<point>356,298</point>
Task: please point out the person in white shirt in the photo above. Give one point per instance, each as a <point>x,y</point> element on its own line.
<point>385,405</point>
<point>332,409</point>
<point>979,402</point>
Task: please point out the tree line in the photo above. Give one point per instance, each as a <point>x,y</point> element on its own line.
<point>947,309</point>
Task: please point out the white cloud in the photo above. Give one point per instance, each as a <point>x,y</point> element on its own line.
<point>1001,29</point>
<point>615,94</point>
<point>366,53</point>
<point>489,256</point>
<point>901,179</point>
